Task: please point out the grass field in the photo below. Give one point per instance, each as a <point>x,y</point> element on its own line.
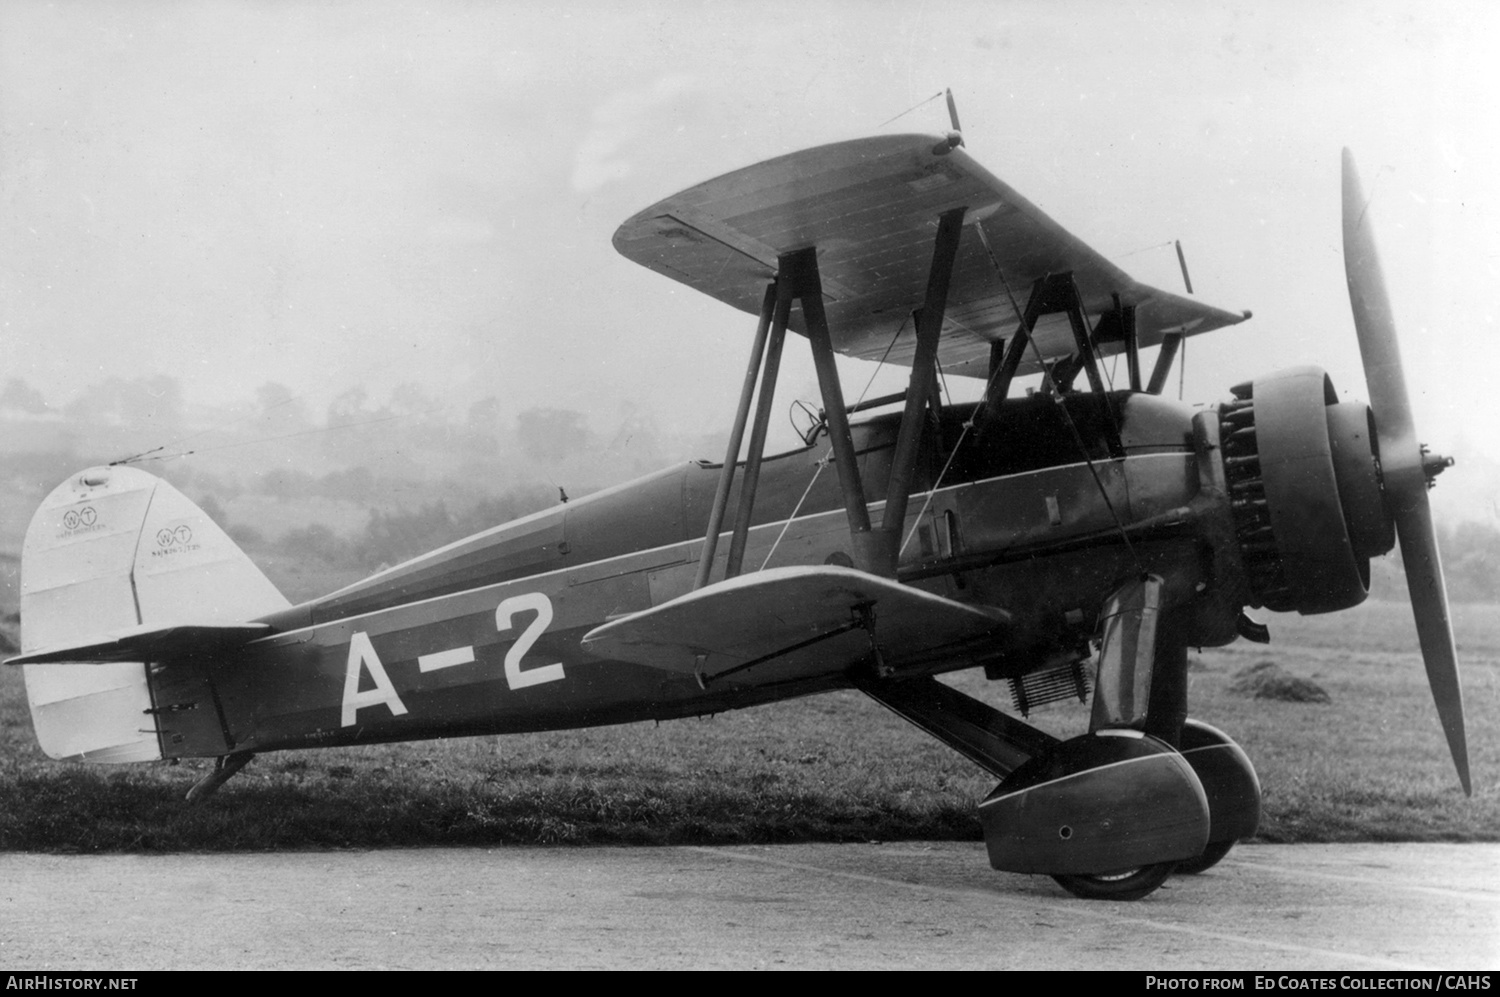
<point>1370,765</point>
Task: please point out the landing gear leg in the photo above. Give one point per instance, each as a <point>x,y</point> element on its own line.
<point>1230,787</point>
<point>1166,711</point>
<point>1110,813</point>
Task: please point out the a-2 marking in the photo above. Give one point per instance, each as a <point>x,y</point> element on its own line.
<point>362,658</point>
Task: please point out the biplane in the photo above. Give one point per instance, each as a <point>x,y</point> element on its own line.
<point>1073,540</point>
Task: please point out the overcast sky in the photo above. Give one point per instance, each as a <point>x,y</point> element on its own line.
<point>326,194</point>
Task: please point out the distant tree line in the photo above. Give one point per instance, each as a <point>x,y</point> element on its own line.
<point>390,537</point>
<point>1471,561</point>
<point>1471,565</point>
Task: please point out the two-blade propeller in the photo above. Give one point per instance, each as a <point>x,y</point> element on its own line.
<point>1405,467</point>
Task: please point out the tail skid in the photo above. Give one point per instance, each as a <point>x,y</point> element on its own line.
<point>118,567</point>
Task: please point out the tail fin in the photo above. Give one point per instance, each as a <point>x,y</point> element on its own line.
<point>110,549</point>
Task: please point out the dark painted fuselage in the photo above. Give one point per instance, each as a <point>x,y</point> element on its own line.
<point>483,636</point>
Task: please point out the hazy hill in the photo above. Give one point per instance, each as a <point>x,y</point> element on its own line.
<point>268,466</point>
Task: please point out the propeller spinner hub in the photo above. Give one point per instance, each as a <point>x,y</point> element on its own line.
<point>1433,464</point>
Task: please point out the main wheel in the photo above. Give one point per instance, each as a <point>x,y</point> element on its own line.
<point>1231,786</point>
<point>1215,851</point>
<point>1130,884</point>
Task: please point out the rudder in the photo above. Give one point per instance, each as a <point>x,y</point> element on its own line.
<point>111,548</point>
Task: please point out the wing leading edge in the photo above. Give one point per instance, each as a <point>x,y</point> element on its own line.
<point>870,207</point>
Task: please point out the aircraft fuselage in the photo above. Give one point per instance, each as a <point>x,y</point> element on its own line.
<point>483,636</point>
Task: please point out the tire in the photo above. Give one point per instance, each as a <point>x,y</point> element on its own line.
<point>1215,851</point>
<point>1131,884</point>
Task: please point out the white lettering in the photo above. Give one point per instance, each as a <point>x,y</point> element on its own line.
<point>445,659</point>
<point>362,656</point>
<point>542,606</point>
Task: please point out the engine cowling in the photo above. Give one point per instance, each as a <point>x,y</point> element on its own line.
<point>1303,471</point>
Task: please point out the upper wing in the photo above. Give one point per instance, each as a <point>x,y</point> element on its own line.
<point>795,622</point>
<point>870,207</point>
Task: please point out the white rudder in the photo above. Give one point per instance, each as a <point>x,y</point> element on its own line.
<point>113,548</point>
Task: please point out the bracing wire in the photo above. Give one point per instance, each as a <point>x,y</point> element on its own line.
<point>952,454</point>
<point>983,398</point>
<point>968,425</point>
<point>147,455</point>
<point>1084,451</point>
<point>828,454</point>
<point>1144,249</point>
<point>904,113</point>
<point>1067,416</point>
<point>822,463</point>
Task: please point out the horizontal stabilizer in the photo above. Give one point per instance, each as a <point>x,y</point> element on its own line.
<point>147,643</point>
<point>798,622</point>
